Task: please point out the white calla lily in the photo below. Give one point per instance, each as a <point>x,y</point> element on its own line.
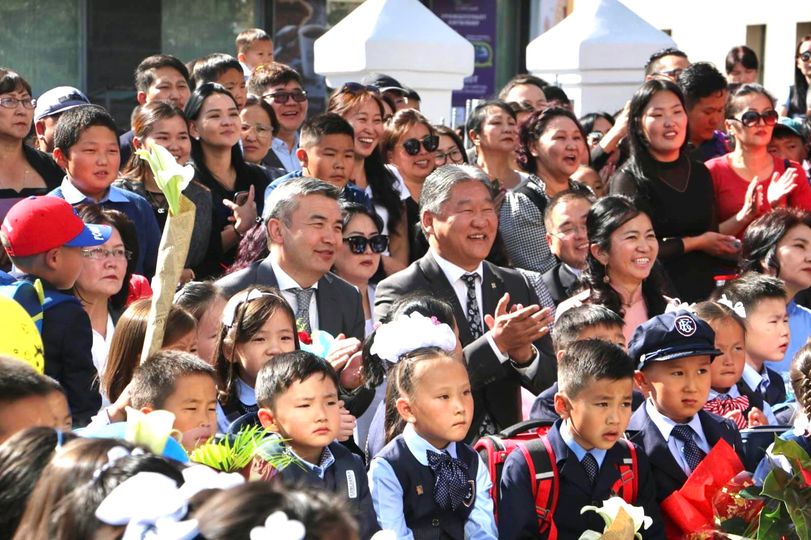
<point>609,511</point>
<point>171,177</point>
<point>151,430</point>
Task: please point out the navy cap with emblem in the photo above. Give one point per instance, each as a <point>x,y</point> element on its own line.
<point>672,335</point>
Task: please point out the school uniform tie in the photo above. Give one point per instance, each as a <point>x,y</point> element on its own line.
<point>474,317</point>
<point>303,297</point>
<point>589,463</point>
<point>692,453</point>
<point>451,486</point>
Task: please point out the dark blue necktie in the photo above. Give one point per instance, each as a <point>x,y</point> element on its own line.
<point>692,452</point>
<point>590,465</point>
<point>451,486</point>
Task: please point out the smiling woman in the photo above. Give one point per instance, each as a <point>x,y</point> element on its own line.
<point>674,190</point>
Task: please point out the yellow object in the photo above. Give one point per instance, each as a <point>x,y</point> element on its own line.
<point>19,337</point>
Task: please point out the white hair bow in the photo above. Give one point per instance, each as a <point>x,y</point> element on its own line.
<point>406,334</point>
<point>278,527</point>
<point>737,307</point>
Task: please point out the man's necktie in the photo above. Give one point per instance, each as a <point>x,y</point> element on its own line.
<point>303,297</point>
<point>692,453</point>
<point>474,318</point>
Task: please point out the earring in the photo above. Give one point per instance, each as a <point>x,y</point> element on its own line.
<point>606,279</point>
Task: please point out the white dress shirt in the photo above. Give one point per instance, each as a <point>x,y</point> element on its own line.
<point>286,283</point>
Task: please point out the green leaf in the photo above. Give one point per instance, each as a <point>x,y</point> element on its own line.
<point>791,450</point>
<point>231,456</point>
<point>773,523</point>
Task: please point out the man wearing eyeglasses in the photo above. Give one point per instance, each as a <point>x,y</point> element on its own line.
<point>502,328</point>
<point>669,62</point>
<point>565,220</point>
<point>282,87</point>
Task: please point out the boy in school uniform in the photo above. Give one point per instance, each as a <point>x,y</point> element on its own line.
<point>673,352</point>
<point>86,147</point>
<point>589,321</point>
<point>44,237</point>
<point>298,398</point>
<point>594,402</point>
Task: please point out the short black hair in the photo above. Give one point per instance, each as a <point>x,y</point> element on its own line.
<point>18,380</point>
<point>319,126</point>
<point>556,93</point>
<point>210,68</point>
<point>145,72</point>
<point>75,121</point>
<point>592,360</point>
<point>573,321</point>
<point>521,79</point>
<point>476,119</point>
<point>155,380</point>
<point>700,80</point>
<point>274,74</point>
<point>563,197</point>
<point>742,55</point>
<point>752,288</point>
<point>658,55</point>
<point>278,375</point>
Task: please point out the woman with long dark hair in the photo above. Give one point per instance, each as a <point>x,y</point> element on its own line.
<point>674,190</point>
<point>798,103</point>
<point>236,186</point>
<point>363,108</point>
<point>621,273</point>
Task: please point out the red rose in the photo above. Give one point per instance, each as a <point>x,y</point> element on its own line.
<point>305,338</point>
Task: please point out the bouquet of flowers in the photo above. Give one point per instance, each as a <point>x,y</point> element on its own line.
<point>622,520</point>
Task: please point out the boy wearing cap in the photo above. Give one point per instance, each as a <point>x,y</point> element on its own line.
<point>789,141</point>
<point>673,352</point>
<point>50,107</point>
<point>44,238</point>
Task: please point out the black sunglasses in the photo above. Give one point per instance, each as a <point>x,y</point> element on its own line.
<point>429,142</point>
<point>357,244</point>
<point>751,118</point>
<point>357,88</point>
<point>283,96</point>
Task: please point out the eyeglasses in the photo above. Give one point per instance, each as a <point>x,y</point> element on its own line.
<point>806,56</point>
<point>357,88</point>
<point>283,97</point>
<point>567,232</point>
<point>11,103</point>
<point>100,254</point>
<point>672,73</point>
<point>263,131</point>
<point>454,155</point>
<point>357,244</point>
<point>752,118</point>
<point>429,142</point>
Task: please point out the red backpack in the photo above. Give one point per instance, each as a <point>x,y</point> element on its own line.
<point>530,438</point>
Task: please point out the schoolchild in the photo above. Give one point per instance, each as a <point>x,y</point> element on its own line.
<point>800,376</point>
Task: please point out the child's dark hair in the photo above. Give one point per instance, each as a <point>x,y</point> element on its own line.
<point>18,380</point>
<point>751,288</point>
<point>75,121</point>
<point>249,317</point>
<point>759,247</point>
<point>128,342</point>
<point>573,321</point>
<point>401,383</point>
<point>156,379</point>
<point>246,38</point>
<point>196,297</point>
<point>318,127</point>
<point>22,458</point>
<point>145,72</point>
<point>210,68</point>
<point>287,368</point>
<point>234,512</point>
<point>97,215</point>
<point>800,376</point>
<point>711,311</point>
<point>265,76</point>
<point>591,360</point>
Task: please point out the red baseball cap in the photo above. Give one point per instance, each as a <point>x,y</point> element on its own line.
<point>38,224</point>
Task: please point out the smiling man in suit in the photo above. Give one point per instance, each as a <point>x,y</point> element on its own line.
<point>503,330</point>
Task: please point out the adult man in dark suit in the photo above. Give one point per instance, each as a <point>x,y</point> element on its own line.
<point>304,233</point>
<point>565,221</point>
<point>459,218</point>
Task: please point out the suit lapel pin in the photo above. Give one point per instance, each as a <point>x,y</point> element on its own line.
<point>419,489</point>
<point>492,285</point>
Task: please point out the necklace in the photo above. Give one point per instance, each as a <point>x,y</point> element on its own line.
<point>682,187</point>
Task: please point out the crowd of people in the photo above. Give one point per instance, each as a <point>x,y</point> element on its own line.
<point>636,281</point>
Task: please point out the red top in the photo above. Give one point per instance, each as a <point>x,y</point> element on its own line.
<point>139,288</point>
<point>730,188</point>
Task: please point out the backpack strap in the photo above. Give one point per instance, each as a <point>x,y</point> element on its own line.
<point>543,470</point>
<point>627,486</point>
<point>534,195</point>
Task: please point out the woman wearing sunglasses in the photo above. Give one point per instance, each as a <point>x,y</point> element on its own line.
<point>358,258</point>
<point>363,108</point>
<point>749,181</point>
<point>674,190</point>
<point>408,146</point>
<point>798,102</point>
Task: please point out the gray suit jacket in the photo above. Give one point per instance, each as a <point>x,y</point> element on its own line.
<point>339,303</point>
<point>495,385</point>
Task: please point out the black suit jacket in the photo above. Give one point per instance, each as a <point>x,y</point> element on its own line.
<point>667,473</point>
<point>339,303</point>
<point>496,386</point>
<point>561,283</point>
